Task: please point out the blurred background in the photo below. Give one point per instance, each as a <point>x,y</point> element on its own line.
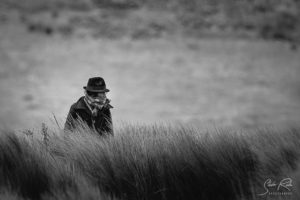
<point>228,63</point>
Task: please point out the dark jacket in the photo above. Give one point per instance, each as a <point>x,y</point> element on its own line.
<point>79,111</point>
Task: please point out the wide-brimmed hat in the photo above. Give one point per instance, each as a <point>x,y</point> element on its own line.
<point>96,84</point>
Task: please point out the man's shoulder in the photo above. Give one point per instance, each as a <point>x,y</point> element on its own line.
<point>107,104</point>
<point>79,104</point>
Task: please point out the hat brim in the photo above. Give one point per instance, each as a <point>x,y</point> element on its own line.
<point>95,90</point>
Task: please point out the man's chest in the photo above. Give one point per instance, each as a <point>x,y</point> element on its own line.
<point>89,118</point>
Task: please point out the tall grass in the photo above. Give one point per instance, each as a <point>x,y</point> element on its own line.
<point>146,162</point>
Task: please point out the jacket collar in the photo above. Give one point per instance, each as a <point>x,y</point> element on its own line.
<point>87,104</point>
<point>80,104</point>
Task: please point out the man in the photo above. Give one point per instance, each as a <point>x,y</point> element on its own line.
<point>93,109</point>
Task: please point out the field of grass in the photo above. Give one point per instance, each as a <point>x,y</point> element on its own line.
<point>240,83</point>
<point>277,19</point>
<point>155,70</point>
<point>149,162</point>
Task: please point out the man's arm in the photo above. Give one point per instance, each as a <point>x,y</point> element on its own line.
<point>108,125</point>
<point>70,121</point>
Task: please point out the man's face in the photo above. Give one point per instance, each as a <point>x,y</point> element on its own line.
<point>98,97</point>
